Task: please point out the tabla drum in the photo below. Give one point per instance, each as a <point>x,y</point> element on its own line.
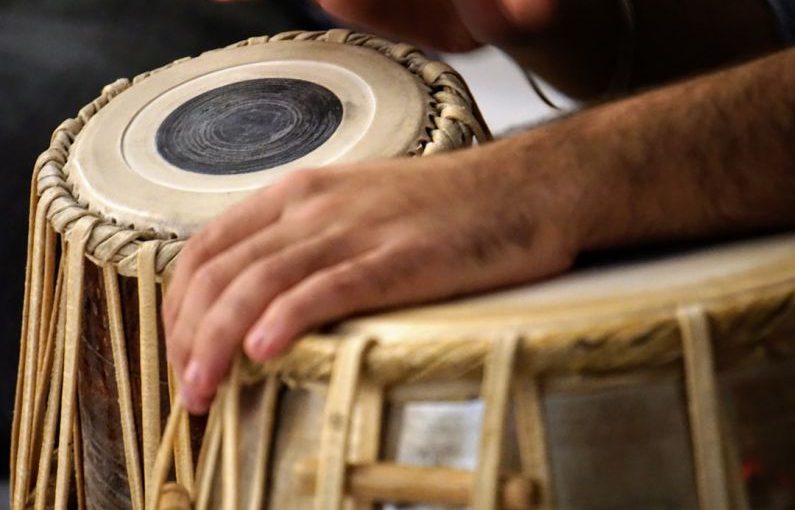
<point>662,382</point>
<point>659,383</point>
<point>133,175</point>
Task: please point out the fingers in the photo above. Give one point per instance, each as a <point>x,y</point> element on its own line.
<point>217,236</point>
<point>377,279</point>
<point>236,224</point>
<point>428,22</point>
<point>209,280</point>
<point>220,324</point>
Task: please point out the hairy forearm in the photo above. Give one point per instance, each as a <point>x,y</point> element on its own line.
<point>709,157</point>
<point>671,40</point>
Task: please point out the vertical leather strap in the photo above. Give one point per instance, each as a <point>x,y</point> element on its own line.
<point>702,392</point>
<point>162,462</point>
<point>336,424</point>
<point>231,438</point>
<point>265,421</point>
<point>365,434</point>
<point>50,428</point>
<point>183,450</point>
<point>132,456</point>
<point>29,350</point>
<point>532,436</point>
<point>150,357</point>
<point>208,457</point>
<point>75,268</point>
<point>497,379</point>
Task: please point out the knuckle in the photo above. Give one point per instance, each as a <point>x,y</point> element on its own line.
<point>207,279</point>
<point>195,251</point>
<point>349,279</point>
<point>212,328</point>
<point>269,273</point>
<point>289,309</point>
<point>319,209</point>
<point>305,183</point>
<point>236,307</point>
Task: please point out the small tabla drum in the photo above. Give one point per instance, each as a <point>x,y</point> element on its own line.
<point>130,178</point>
<point>656,383</point>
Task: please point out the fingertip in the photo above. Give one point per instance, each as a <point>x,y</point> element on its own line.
<point>533,15</point>
<point>194,404</point>
<point>264,343</point>
<point>198,382</point>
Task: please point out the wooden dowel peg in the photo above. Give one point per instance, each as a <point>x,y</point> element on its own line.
<point>396,483</point>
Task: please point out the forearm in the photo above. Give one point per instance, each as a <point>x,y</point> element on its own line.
<point>709,157</point>
<point>671,40</point>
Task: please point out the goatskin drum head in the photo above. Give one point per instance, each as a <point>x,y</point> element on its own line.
<point>177,148</point>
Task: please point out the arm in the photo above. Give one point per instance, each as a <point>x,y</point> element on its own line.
<point>672,40</point>
<point>704,158</point>
<point>710,157</point>
<point>574,44</point>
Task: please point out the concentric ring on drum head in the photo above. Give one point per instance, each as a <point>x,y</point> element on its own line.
<point>179,147</point>
<point>249,126</point>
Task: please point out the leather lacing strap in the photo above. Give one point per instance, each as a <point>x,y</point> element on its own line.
<point>50,426</point>
<point>703,401</point>
<point>496,393</point>
<point>75,256</point>
<point>531,436</point>
<point>132,456</point>
<point>337,418</point>
<point>150,356</point>
<point>30,348</point>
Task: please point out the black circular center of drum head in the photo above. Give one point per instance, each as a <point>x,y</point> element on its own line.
<point>249,126</point>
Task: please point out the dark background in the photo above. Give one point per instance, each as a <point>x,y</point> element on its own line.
<point>55,56</point>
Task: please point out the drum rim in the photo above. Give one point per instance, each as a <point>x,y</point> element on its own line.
<point>453,122</point>
<point>753,324</point>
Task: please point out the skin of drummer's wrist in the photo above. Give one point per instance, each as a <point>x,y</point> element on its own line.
<point>542,162</point>
<point>705,158</point>
<point>605,197</point>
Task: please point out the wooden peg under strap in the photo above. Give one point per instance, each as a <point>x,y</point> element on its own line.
<point>336,424</point>
<point>174,497</point>
<point>401,484</point>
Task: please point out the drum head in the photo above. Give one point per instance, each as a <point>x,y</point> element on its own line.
<point>177,148</point>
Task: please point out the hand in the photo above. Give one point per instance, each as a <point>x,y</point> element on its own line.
<point>573,44</point>
<point>327,243</point>
<point>448,25</point>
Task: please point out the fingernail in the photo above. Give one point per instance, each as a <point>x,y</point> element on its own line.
<point>259,344</point>
<point>188,400</point>
<point>192,376</point>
